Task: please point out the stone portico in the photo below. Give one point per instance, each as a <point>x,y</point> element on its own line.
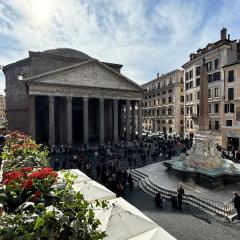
<point>84,102</point>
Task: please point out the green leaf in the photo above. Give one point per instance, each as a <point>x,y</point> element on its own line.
<point>39,223</point>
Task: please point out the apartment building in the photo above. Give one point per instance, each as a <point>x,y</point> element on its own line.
<point>163,104</point>
<point>2,110</point>
<point>218,54</point>
<point>231,110</point>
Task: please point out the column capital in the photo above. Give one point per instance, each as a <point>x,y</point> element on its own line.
<point>51,99</point>
<point>101,99</point>
<point>69,99</point>
<point>85,99</point>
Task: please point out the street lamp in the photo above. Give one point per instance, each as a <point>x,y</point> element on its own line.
<point>20,76</point>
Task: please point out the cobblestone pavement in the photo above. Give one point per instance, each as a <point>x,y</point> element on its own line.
<point>190,224</point>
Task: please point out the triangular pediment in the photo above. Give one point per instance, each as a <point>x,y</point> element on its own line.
<point>88,74</point>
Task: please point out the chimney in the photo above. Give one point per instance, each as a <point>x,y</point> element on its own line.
<point>223,34</point>
<point>157,75</point>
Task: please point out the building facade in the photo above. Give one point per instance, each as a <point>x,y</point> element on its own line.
<point>65,96</point>
<point>163,104</point>
<point>216,55</point>
<point>2,110</point>
<point>231,109</point>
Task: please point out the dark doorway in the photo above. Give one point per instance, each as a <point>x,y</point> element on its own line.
<point>93,120</point>
<point>77,120</point>
<point>42,116</point>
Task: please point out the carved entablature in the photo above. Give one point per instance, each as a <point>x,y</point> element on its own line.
<point>43,89</point>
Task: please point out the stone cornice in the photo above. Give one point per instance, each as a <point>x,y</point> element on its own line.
<point>47,89</point>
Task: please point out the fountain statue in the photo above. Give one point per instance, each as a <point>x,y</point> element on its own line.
<point>204,153</point>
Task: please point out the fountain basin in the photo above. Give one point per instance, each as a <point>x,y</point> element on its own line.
<point>227,173</point>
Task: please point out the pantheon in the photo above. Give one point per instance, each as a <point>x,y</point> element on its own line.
<point>63,96</point>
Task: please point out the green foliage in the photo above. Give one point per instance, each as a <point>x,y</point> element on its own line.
<point>34,208</point>
<point>68,217</point>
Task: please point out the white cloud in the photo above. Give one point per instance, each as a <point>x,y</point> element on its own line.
<point>146,36</point>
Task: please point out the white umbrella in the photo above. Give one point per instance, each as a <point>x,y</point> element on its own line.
<point>93,191</point>
<point>157,233</point>
<point>122,221</point>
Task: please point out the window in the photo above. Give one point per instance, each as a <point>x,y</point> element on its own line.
<point>198,95</point>
<point>187,98</point>
<point>191,84</point>
<point>164,92</point>
<point>216,125</point>
<point>169,99</point>
<point>229,123</point>
<point>181,79</point>
<point>187,86</point>
<point>230,76</point>
<point>210,127</point>
<point>170,130</point>
<point>187,110</point>
<point>197,82</point>
<point>216,107</point>
<point>187,124</point>
<point>198,69</point>
<point>169,111</point>
<point>209,108</point>
<point>163,111</point>
<point>170,121</point>
<point>158,94</point>
<point>230,94</point>
<point>191,110</point>
<point>209,66</point>
<point>191,74</point>
<point>182,111</point>
<point>216,76</point>
<point>198,110</point>
<point>229,108</point>
<point>216,92</point>
<point>209,93</point>
<point>170,90</point>
<point>216,63</point>
<point>182,98</point>
<point>181,121</point>
<point>186,75</point>
<point>190,97</point>
<point>209,78</point>
<point>191,124</point>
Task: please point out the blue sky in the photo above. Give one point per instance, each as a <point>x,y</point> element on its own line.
<point>146,36</point>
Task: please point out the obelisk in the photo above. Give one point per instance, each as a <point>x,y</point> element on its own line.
<point>203,108</point>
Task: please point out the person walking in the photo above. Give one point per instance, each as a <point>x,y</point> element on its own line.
<point>236,201</point>
<point>130,181</point>
<point>158,200</point>
<point>180,193</point>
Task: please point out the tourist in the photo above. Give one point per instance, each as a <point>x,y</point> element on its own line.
<point>236,201</point>
<point>130,181</point>
<point>174,202</point>
<point>180,193</point>
<point>158,200</point>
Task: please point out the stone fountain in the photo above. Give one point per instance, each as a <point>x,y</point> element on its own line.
<point>204,163</point>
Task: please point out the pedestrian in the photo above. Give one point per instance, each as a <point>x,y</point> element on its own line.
<point>158,200</point>
<point>174,202</point>
<point>180,193</point>
<point>130,181</point>
<point>236,201</point>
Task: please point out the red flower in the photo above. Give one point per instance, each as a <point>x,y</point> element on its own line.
<point>26,169</point>
<point>27,184</point>
<point>11,176</point>
<point>36,196</point>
